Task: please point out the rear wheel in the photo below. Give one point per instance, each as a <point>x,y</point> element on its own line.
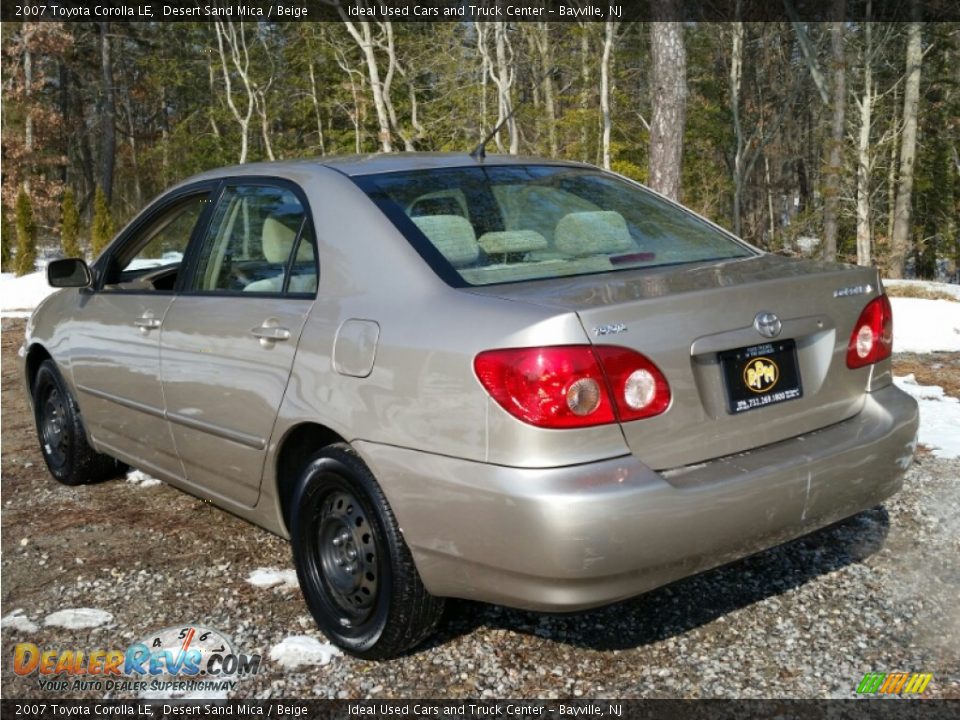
<point>63,441</point>
<point>355,570</point>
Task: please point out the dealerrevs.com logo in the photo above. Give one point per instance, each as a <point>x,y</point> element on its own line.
<point>175,659</point>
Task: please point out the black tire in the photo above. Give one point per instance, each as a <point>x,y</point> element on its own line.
<point>63,440</point>
<point>363,590</point>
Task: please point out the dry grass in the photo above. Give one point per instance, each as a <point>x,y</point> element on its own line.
<point>917,291</point>
<point>941,369</point>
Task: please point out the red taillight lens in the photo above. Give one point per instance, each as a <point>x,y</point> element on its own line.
<point>637,385</point>
<point>872,337</point>
<point>573,385</point>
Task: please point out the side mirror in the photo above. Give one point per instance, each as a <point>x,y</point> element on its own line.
<point>72,272</point>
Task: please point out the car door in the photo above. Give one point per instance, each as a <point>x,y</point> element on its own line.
<point>116,338</point>
<point>229,338</point>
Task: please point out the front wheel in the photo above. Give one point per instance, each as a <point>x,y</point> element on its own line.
<point>63,441</point>
<point>355,570</point>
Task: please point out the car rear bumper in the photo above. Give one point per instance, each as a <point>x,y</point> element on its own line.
<point>570,538</point>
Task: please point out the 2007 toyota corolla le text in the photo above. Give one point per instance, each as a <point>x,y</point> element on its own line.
<point>513,380</point>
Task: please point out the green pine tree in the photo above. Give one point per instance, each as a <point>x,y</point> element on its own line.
<point>26,235</point>
<point>4,243</point>
<point>70,227</point>
<point>102,230</point>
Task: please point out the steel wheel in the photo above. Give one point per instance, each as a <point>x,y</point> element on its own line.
<point>53,428</point>
<point>355,570</point>
<point>348,556</point>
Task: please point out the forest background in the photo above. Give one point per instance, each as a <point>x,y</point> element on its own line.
<point>833,139</point>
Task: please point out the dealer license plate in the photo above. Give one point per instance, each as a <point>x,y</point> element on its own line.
<point>761,375</point>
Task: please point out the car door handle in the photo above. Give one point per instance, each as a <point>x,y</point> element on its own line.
<point>271,333</point>
<point>147,323</point>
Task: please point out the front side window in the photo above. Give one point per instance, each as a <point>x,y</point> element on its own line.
<point>258,241</point>
<point>150,258</point>
<point>487,225</point>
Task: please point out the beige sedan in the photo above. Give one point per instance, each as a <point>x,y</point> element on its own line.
<point>513,380</point>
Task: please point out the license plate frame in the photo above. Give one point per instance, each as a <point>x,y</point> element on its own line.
<point>759,376</point>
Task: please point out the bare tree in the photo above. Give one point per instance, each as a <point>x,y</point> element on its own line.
<point>900,241</point>
<point>363,36</point>
<point>502,71</point>
<point>668,87</point>
<point>227,35</point>
<point>838,100</point>
<point>609,38</point>
<point>108,114</point>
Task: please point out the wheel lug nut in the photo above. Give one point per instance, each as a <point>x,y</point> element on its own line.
<point>338,541</point>
<point>351,568</point>
<point>352,554</point>
<point>341,562</point>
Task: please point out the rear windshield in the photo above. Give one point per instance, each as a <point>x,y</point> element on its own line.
<point>488,225</point>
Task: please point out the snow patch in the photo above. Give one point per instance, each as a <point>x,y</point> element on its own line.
<point>297,650</point>
<point>141,479</point>
<point>78,618</point>
<point>939,416</point>
<point>923,326</point>
<point>22,293</point>
<point>273,577</point>
<point>16,620</point>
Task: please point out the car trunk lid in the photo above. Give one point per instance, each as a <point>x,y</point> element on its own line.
<point>691,320</point>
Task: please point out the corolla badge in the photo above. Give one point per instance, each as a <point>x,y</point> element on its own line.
<point>767,324</point>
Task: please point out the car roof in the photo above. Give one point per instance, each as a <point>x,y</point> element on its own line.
<point>374,163</point>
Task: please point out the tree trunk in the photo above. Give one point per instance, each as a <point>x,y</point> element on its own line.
<point>364,40</point>
<point>736,76</point>
<point>316,110</point>
<point>864,235</point>
<point>108,115</point>
<point>669,98</point>
<point>584,92</point>
<point>831,180</point>
<point>609,36</point>
<point>900,242</point>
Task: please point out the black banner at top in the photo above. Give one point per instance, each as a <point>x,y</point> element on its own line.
<point>477,10</point>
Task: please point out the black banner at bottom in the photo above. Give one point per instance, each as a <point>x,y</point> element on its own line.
<point>871,709</point>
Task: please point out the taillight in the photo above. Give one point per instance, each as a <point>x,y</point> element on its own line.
<point>872,336</point>
<point>571,386</point>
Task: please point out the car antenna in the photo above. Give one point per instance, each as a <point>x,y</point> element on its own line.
<point>480,151</point>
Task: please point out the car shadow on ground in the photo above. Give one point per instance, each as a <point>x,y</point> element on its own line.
<point>686,604</point>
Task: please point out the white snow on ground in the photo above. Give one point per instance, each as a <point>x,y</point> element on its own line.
<point>939,416</point>
<point>297,650</point>
<point>16,620</point>
<point>22,293</point>
<point>923,326</point>
<point>272,577</point>
<point>141,479</point>
<point>78,618</point>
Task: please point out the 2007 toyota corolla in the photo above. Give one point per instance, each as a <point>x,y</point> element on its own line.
<point>514,380</point>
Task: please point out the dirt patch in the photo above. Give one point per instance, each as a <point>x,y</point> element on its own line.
<point>941,368</point>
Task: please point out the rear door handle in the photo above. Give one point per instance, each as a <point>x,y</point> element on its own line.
<point>270,334</point>
<point>146,322</point>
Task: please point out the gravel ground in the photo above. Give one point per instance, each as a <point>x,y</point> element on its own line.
<point>878,592</point>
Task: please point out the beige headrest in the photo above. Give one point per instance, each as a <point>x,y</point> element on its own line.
<point>590,233</point>
<point>452,235</point>
<point>512,241</point>
<point>278,240</point>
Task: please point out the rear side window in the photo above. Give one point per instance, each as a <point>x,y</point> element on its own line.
<point>488,225</point>
<point>258,241</point>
